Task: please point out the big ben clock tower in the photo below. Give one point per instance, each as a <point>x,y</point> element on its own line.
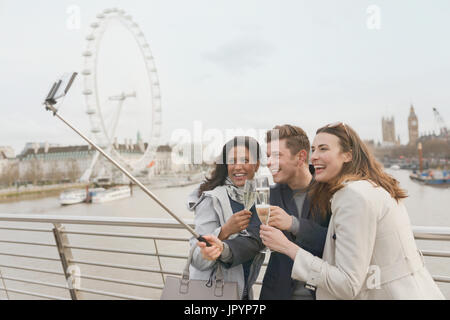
<point>413,127</point>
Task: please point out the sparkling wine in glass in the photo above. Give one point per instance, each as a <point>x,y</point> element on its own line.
<point>263,201</point>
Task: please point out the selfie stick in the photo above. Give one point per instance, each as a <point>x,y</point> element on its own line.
<point>49,106</point>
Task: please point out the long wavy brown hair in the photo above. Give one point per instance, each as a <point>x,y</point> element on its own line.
<point>363,166</point>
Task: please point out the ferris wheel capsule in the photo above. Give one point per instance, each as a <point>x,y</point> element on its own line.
<point>95,130</point>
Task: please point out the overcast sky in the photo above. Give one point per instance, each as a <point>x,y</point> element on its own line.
<point>239,64</point>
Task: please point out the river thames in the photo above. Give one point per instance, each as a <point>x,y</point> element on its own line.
<point>427,206</point>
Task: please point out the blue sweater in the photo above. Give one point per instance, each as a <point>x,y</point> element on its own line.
<point>236,207</point>
<point>277,283</point>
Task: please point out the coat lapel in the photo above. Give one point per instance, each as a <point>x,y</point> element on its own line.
<point>288,202</point>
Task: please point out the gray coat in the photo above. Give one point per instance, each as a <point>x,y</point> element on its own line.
<point>212,210</point>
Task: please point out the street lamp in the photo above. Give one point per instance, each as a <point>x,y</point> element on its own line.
<point>419,148</point>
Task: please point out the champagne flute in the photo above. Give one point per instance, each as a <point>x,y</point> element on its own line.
<point>263,202</point>
<point>249,198</point>
<point>249,193</point>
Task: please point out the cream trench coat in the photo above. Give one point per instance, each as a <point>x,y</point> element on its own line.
<point>370,251</point>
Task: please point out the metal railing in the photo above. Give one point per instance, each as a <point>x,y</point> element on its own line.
<point>57,242</point>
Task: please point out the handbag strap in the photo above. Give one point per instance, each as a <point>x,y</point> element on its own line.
<point>184,283</point>
<point>219,281</point>
<point>188,263</point>
<point>219,271</point>
<point>218,290</point>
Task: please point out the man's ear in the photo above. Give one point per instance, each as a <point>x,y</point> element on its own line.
<point>302,156</point>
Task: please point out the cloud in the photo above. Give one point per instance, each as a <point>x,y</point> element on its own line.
<point>240,54</point>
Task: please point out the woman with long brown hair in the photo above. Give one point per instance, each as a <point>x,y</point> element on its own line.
<point>370,252</point>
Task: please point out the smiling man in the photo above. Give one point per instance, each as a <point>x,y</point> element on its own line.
<point>288,160</point>
<point>287,150</point>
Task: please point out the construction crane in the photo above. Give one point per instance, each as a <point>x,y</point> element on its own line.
<point>443,131</point>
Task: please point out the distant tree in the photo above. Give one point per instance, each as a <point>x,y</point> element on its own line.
<point>9,174</point>
<point>73,170</point>
<point>430,149</point>
<point>34,173</point>
<point>56,174</point>
<point>436,148</point>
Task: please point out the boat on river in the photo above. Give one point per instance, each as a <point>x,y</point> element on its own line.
<point>74,196</point>
<point>111,194</point>
<point>432,177</point>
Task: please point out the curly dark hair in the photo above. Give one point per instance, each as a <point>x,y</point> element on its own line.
<point>220,172</point>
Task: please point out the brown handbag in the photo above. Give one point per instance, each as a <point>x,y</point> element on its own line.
<point>185,288</point>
